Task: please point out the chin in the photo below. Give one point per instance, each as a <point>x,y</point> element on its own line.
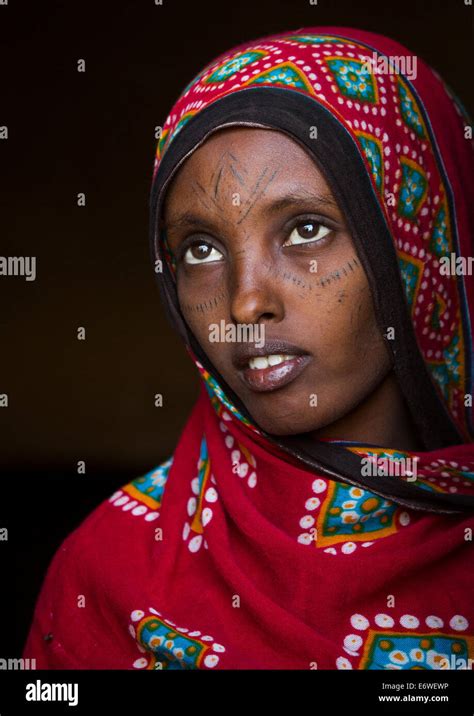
<point>283,426</point>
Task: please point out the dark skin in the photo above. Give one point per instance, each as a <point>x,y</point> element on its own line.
<point>246,259</point>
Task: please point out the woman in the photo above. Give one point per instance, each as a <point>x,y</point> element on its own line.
<point>316,512</point>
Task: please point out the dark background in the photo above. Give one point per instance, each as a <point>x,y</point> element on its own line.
<point>93,132</point>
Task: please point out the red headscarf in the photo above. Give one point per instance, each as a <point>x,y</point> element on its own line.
<point>238,552</point>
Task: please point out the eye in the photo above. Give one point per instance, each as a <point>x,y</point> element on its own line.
<point>307,231</point>
<point>200,252</point>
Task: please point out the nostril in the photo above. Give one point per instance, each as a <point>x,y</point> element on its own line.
<point>252,304</point>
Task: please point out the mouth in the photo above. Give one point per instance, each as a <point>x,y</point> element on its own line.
<point>273,366</point>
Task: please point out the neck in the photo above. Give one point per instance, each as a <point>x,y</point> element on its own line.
<point>381,419</point>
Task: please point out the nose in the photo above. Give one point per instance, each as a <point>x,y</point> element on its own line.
<point>254,292</point>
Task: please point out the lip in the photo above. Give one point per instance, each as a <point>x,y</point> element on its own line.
<point>267,379</point>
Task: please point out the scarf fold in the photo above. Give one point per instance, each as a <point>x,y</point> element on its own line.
<point>244,550</point>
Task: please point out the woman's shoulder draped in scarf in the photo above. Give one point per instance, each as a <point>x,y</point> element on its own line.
<point>238,552</point>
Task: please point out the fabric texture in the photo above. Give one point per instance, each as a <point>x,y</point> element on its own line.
<point>247,551</point>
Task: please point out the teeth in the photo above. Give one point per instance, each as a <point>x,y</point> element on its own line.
<point>261,362</point>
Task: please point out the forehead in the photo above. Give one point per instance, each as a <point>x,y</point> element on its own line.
<point>244,158</point>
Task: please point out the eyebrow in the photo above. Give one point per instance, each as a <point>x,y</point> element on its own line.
<point>295,199</point>
<point>292,199</point>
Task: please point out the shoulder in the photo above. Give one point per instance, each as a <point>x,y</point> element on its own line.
<point>143,496</point>
<point>91,573</point>
<point>113,531</point>
<point>120,523</point>
<point>138,501</point>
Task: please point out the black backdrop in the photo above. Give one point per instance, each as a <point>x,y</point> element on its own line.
<point>93,132</point>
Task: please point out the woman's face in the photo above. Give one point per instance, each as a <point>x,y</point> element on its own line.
<point>260,242</point>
